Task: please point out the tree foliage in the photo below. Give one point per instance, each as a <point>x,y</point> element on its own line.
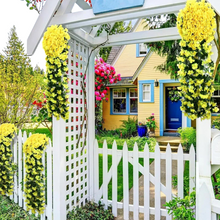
<point>19,83</point>
<point>168,49</point>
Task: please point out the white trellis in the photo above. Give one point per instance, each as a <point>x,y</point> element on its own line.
<point>83,33</point>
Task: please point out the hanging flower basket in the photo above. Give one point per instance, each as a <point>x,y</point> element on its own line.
<point>174,95</point>
<point>103,6</point>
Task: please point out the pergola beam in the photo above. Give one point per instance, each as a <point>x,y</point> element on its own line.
<point>140,37</point>
<point>41,24</point>
<point>87,18</point>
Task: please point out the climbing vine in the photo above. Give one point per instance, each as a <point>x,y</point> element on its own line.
<point>196,24</point>
<point>7,133</point>
<point>34,179</point>
<point>55,44</point>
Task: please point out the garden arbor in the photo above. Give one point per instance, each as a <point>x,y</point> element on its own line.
<point>74,167</point>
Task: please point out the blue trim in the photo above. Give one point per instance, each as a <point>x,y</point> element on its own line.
<point>141,82</point>
<point>127,104</point>
<point>161,82</point>
<point>188,122</point>
<point>137,50</point>
<point>111,102</point>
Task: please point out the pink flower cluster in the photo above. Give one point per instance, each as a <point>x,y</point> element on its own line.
<point>104,74</point>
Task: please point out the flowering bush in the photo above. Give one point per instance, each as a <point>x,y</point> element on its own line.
<point>105,74</point>
<point>196,24</point>
<point>55,44</point>
<point>151,123</point>
<point>34,181</point>
<point>7,132</point>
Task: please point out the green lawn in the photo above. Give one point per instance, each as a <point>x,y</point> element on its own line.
<point>40,131</point>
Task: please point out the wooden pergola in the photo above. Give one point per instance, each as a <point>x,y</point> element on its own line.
<point>82,27</point>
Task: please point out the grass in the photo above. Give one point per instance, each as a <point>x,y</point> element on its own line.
<point>10,210</point>
<point>39,131</point>
<point>120,173</point>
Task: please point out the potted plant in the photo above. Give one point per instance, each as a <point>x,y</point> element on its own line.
<point>151,123</point>
<point>142,129</point>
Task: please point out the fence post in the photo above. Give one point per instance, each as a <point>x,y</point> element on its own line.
<point>59,169</point>
<point>203,138</point>
<point>91,125</point>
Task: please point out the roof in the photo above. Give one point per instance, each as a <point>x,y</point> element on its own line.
<point>125,81</point>
<point>113,54</point>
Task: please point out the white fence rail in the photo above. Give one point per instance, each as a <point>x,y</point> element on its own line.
<point>19,160</point>
<point>132,157</point>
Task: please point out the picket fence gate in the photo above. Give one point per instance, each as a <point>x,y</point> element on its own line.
<point>19,161</point>
<point>132,157</point>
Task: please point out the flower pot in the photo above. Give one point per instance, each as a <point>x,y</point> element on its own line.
<point>103,6</point>
<point>142,130</point>
<point>152,130</point>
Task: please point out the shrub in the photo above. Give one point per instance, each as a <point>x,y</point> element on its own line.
<point>216,123</point>
<point>188,137</point>
<point>182,208</point>
<point>91,211</point>
<point>129,127</point>
<point>131,141</point>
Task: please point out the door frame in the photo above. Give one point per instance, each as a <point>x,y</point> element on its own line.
<point>162,107</point>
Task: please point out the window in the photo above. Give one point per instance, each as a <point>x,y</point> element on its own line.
<point>133,100</point>
<point>119,100</point>
<point>124,101</point>
<point>142,50</point>
<point>216,96</point>
<point>146,90</point>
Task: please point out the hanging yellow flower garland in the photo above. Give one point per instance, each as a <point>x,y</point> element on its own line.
<point>7,132</point>
<point>34,180</point>
<point>55,44</point>
<point>196,24</point>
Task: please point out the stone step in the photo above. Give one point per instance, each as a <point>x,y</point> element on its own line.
<point>164,147</point>
<point>164,143</point>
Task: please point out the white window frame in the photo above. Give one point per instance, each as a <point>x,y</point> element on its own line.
<point>141,45</point>
<point>145,100</point>
<point>130,102</point>
<point>119,98</point>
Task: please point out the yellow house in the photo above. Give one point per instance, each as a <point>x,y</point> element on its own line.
<point>142,91</point>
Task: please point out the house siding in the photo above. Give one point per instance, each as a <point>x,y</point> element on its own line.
<point>127,63</point>
<point>111,122</point>
<point>150,73</point>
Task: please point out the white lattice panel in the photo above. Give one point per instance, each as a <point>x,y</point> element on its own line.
<point>76,159</point>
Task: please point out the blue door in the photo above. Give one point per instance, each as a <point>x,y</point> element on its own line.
<point>173,112</point>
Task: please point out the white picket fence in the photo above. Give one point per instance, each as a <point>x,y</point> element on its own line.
<point>132,157</point>
<point>19,160</point>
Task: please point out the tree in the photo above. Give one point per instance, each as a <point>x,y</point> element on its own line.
<point>168,49</point>
<point>19,83</point>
